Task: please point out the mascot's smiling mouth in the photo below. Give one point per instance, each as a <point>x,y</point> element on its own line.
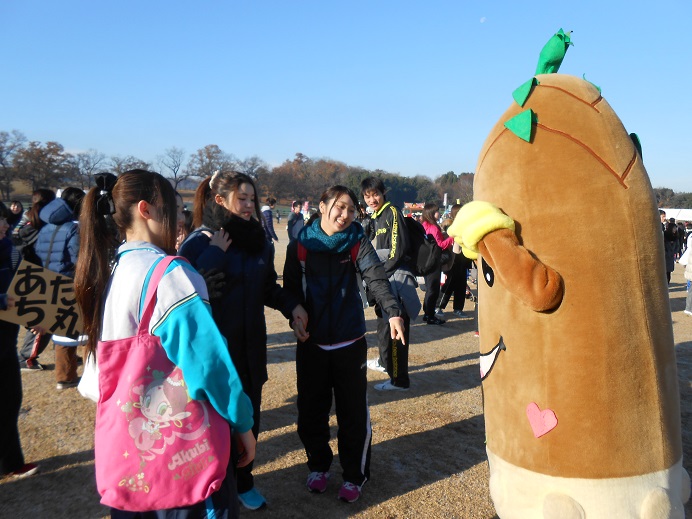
<point>489,359</point>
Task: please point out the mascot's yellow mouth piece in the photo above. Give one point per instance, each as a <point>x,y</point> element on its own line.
<point>489,359</point>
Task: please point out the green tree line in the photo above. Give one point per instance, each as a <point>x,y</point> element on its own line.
<point>666,197</point>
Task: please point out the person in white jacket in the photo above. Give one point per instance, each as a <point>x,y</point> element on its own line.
<point>685,260</point>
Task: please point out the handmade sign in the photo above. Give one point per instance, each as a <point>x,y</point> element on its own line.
<point>44,299</point>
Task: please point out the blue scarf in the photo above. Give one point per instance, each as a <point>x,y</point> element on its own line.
<point>313,238</point>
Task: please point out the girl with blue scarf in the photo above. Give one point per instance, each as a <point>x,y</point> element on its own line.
<point>321,270</point>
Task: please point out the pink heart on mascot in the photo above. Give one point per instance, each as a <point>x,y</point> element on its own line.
<point>542,422</point>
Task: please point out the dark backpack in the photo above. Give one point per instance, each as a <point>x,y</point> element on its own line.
<point>424,253</point>
<point>25,242</point>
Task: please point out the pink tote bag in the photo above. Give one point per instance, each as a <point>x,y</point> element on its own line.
<point>155,448</point>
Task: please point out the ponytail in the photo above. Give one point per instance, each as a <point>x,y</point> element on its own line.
<point>98,241</point>
<point>202,195</point>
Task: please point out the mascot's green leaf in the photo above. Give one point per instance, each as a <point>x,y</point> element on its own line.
<point>522,93</point>
<point>522,124</point>
<point>553,53</point>
<point>589,82</point>
<point>637,143</point>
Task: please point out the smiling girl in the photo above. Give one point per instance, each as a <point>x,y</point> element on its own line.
<point>320,269</point>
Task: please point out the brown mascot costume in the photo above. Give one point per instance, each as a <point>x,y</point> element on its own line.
<point>581,401</point>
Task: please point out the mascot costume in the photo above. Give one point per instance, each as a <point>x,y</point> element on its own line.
<point>581,402</point>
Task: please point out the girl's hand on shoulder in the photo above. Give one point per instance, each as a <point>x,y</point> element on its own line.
<point>246,446</point>
<point>221,239</point>
<point>397,326</point>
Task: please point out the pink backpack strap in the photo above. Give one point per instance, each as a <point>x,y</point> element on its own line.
<point>150,298</point>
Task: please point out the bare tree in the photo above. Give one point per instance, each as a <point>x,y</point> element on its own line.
<point>45,165</point>
<point>120,165</point>
<point>88,163</point>
<point>253,167</point>
<point>10,144</point>
<point>205,161</point>
<point>171,162</point>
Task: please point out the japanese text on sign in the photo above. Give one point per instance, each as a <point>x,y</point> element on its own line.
<point>44,299</point>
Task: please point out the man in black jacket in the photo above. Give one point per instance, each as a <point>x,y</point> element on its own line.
<point>392,244</point>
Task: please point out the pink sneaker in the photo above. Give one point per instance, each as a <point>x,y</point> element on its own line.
<point>349,492</point>
<point>317,482</point>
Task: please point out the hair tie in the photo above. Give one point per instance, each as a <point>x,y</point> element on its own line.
<point>213,177</point>
<point>104,204</point>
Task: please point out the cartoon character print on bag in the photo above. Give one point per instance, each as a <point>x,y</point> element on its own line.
<point>159,414</point>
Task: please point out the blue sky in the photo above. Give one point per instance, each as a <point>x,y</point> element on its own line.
<point>408,87</point>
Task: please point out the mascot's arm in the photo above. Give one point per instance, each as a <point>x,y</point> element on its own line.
<point>481,227</point>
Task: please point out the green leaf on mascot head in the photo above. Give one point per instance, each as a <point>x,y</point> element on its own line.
<point>553,53</point>
<point>522,93</point>
<point>522,124</point>
<point>637,143</point>
<point>590,83</point>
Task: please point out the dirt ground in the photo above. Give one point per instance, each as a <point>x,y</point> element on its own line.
<point>428,453</point>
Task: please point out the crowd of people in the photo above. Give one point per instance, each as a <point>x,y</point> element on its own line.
<point>207,318</point>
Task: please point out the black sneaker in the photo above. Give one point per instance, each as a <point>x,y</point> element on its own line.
<point>434,320</point>
<point>30,365</point>
<point>425,318</point>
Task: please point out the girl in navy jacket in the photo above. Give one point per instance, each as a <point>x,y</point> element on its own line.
<point>232,241</point>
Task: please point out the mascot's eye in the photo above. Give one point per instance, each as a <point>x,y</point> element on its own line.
<point>488,274</point>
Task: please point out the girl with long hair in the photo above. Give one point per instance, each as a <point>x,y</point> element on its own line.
<point>128,225</point>
<point>231,239</point>
<point>25,232</point>
<point>24,236</point>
